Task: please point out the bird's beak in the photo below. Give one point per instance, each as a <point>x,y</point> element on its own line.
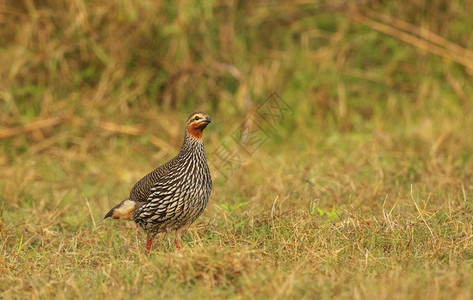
<point>208,120</point>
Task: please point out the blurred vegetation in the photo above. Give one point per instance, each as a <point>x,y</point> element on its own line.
<point>363,191</point>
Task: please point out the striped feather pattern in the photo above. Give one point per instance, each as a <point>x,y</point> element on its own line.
<point>174,195</point>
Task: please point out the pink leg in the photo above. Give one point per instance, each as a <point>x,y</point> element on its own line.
<point>179,233</point>
<point>178,244</point>
<point>148,245</point>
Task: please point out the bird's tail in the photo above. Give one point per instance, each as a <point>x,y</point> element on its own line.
<point>124,210</point>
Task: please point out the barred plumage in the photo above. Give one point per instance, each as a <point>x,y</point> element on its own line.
<point>174,195</point>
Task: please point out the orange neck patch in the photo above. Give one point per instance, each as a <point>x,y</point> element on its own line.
<point>195,129</point>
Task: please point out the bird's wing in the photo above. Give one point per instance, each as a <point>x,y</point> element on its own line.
<point>165,200</point>
<point>142,189</point>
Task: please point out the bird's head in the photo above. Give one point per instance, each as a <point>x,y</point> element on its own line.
<point>196,123</point>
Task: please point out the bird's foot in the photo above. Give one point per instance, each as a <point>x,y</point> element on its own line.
<point>178,244</point>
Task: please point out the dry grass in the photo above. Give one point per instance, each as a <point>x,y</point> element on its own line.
<point>363,191</point>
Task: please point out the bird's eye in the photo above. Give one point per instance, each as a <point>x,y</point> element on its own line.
<point>197,118</point>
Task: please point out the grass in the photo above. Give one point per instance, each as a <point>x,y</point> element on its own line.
<point>362,191</point>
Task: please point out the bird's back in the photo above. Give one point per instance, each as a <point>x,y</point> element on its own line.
<point>142,189</point>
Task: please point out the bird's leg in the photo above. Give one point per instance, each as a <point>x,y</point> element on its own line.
<point>178,244</point>
<point>179,233</point>
<point>149,241</point>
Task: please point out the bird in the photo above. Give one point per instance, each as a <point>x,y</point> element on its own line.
<point>174,195</point>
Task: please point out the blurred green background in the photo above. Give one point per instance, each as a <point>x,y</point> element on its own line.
<point>337,63</point>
